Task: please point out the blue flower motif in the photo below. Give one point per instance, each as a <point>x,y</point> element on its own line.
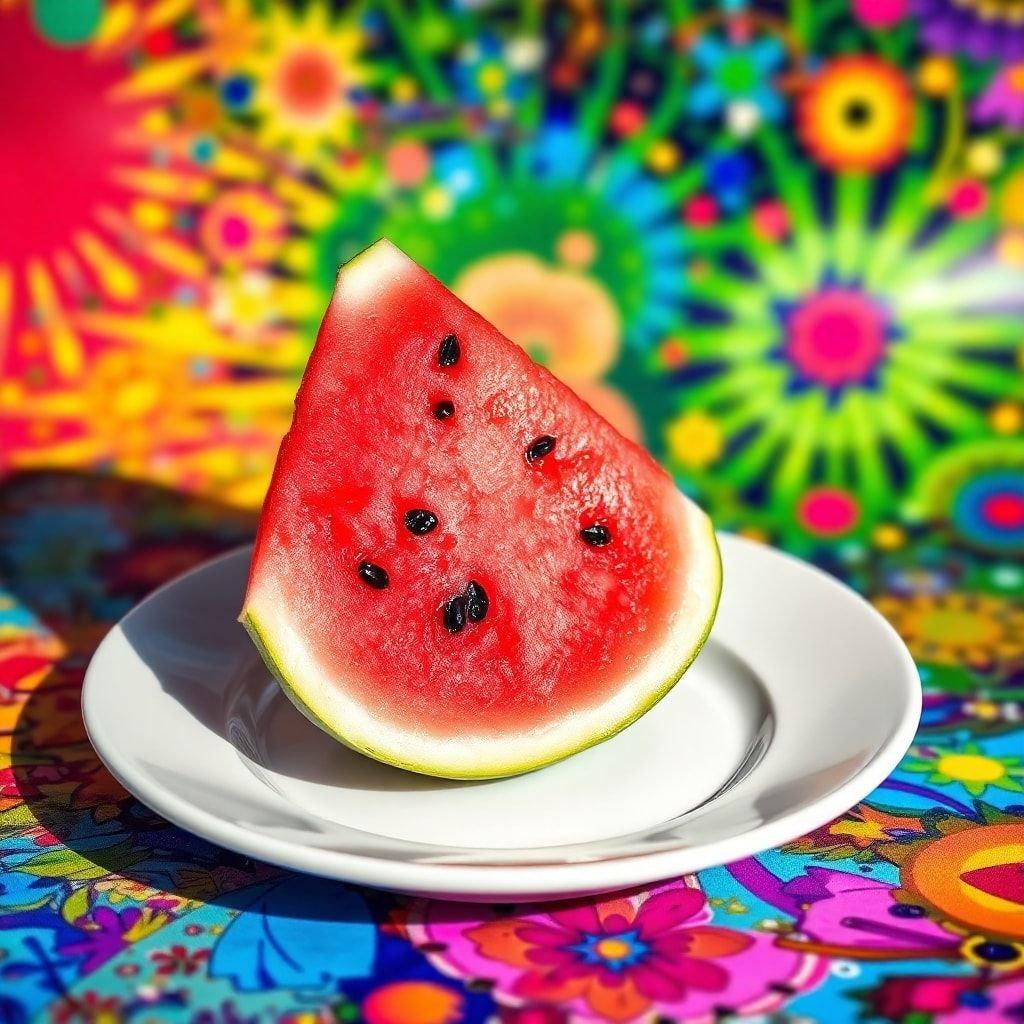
<point>484,76</point>
<point>730,73</point>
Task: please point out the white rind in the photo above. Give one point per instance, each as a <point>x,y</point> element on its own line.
<point>324,701</point>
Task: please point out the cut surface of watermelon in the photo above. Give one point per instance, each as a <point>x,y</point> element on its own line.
<point>461,569</point>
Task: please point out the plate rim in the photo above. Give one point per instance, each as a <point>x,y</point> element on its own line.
<point>530,881</point>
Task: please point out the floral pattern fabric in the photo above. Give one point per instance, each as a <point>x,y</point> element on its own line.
<point>782,245</point>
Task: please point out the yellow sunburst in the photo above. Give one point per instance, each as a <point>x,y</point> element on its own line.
<point>954,628</point>
<point>157,416</point>
<point>304,70</point>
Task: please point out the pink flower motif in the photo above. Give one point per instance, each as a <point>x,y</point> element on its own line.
<point>836,337</point>
<point>639,953</point>
<point>1003,99</point>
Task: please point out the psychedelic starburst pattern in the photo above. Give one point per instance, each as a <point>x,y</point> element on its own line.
<point>305,75</point>
<point>851,353</point>
<point>83,174</point>
<point>782,245</point>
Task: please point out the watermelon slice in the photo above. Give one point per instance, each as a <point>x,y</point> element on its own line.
<point>461,569</point>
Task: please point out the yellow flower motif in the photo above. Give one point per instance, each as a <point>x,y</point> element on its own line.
<point>951,629</point>
<point>694,440</point>
<point>305,68</point>
<point>970,767</point>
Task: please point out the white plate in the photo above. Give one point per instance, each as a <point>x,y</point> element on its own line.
<point>803,700</point>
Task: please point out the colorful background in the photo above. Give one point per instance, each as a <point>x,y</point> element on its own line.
<point>782,244</point>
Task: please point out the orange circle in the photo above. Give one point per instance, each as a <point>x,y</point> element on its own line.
<point>856,114</point>
<point>413,1002</point>
<point>407,162</point>
<point>974,877</point>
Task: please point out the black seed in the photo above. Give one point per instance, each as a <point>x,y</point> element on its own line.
<point>420,521</point>
<point>374,575</point>
<point>596,536</point>
<point>448,354</point>
<point>477,602</point>
<point>455,614</point>
<point>541,447</point>
<point>443,410</point>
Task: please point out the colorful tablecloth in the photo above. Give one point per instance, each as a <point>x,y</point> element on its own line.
<point>782,244</point>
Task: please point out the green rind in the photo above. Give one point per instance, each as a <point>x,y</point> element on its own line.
<point>497,771</point>
<point>252,627</point>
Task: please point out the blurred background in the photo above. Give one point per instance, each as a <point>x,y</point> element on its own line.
<point>781,245</point>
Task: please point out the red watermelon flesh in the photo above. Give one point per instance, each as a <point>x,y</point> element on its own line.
<point>600,580</point>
